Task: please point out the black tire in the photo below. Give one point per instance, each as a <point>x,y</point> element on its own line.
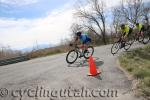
<point>69,55</point>
<point>130,41</point>
<point>127,46</point>
<point>146,38</point>
<point>140,39</point>
<point>116,46</point>
<point>89,52</point>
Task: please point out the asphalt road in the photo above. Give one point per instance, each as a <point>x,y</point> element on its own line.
<point>51,78</point>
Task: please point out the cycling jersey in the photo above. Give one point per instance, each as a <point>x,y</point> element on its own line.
<point>139,27</point>
<point>126,30</point>
<point>85,38</point>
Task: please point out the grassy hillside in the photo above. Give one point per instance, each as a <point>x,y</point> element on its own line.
<point>137,63</point>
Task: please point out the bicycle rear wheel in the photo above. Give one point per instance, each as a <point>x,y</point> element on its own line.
<point>140,39</point>
<point>146,37</point>
<point>89,52</point>
<point>131,39</point>
<point>115,47</point>
<point>72,56</point>
<point>127,46</point>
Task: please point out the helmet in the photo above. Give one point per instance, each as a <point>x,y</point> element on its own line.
<point>137,24</point>
<point>134,21</point>
<point>78,33</point>
<point>122,26</point>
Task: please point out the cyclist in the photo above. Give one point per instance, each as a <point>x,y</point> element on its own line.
<point>126,30</point>
<point>84,39</point>
<point>140,28</point>
<point>146,24</point>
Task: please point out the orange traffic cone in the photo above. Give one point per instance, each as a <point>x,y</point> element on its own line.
<point>92,68</point>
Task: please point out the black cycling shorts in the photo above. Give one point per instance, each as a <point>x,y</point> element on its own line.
<point>142,29</point>
<point>130,31</point>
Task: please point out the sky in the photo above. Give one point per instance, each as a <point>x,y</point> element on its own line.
<point>23,23</point>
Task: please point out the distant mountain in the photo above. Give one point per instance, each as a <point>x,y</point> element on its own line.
<point>40,46</point>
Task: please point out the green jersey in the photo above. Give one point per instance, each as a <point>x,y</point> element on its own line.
<point>126,29</point>
<point>139,27</point>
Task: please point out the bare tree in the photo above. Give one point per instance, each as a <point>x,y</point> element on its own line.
<point>146,12</point>
<point>94,18</point>
<point>75,27</point>
<point>116,20</point>
<point>99,11</point>
<point>130,10</point>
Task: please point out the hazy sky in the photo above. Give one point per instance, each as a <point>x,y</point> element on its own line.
<point>23,22</point>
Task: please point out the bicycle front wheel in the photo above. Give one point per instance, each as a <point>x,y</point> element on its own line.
<point>140,39</point>
<point>115,48</point>
<point>72,56</point>
<point>127,45</point>
<point>89,52</point>
<point>131,39</point>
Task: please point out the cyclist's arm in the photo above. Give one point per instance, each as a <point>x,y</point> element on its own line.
<point>77,40</point>
<point>121,33</point>
<point>126,34</point>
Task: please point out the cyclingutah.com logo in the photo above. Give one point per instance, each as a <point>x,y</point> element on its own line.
<point>70,92</point>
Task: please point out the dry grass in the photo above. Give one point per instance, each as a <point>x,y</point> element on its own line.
<point>48,51</point>
<point>137,63</point>
<point>8,53</point>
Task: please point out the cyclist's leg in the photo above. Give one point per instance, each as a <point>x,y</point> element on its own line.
<point>82,48</point>
<point>85,44</point>
<point>142,31</point>
<point>130,32</point>
<point>125,37</point>
<point>130,37</point>
<point>123,40</point>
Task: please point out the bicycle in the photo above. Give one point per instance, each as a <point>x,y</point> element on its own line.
<point>78,52</point>
<point>143,38</point>
<point>118,45</point>
<point>138,37</point>
<point>146,36</point>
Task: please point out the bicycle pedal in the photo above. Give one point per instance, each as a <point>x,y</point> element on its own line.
<point>85,51</point>
<point>80,56</point>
